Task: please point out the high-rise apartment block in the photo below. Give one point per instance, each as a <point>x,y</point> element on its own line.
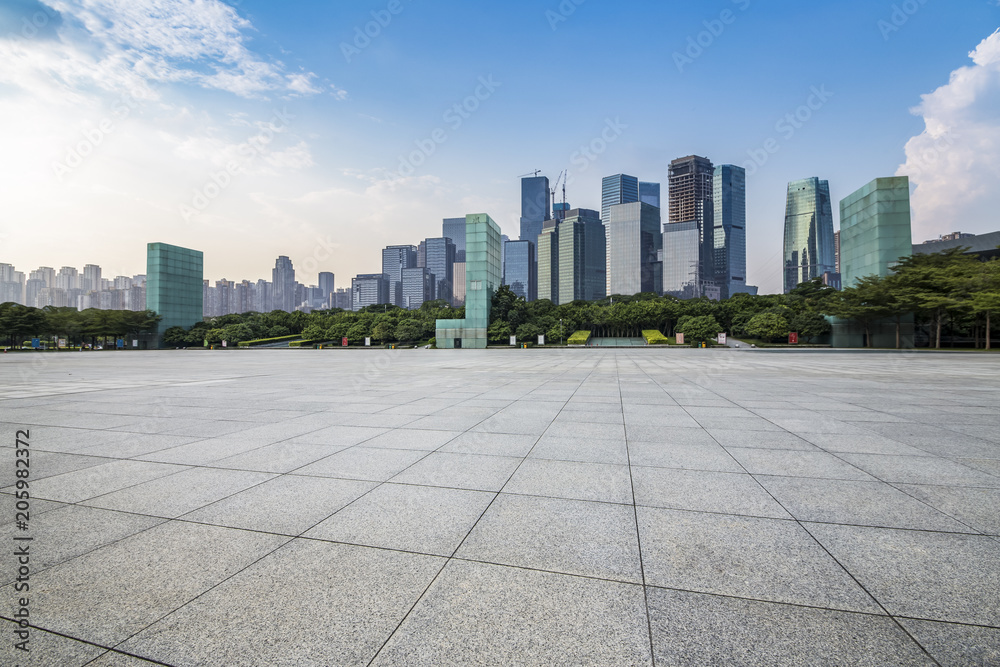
<point>634,242</point>
<point>174,278</point>
<point>482,278</point>
<point>808,250</point>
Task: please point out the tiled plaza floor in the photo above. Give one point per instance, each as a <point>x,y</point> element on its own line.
<point>508,507</point>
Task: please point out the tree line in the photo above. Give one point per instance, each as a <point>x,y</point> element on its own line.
<point>20,323</point>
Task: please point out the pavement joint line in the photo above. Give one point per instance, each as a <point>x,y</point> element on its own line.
<point>107,649</point>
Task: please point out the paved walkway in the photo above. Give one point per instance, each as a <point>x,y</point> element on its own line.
<point>528,507</point>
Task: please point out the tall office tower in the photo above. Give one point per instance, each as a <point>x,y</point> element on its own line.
<point>326,284</point>
<point>519,269</point>
<point>682,260</point>
<point>91,278</point>
<point>441,262</point>
<point>558,212</point>
<point>482,278</point>
<point>836,251</point>
<point>633,243</point>
<point>649,193</point>
<point>692,198</point>
<point>458,285</point>
<point>68,278</point>
<point>535,198</point>
<point>395,258</point>
<point>174,286</point>
<point>417,287</point>
<point>341,299</point>
<point>573,265</point>
<point>454,229</point>
<point>808,251</point>
<point>875,229</point>
<point>618,189</point>
<point>503,242</point>
<point>369,289</point>
<point>283,285</point>
<point>422,254</point>
<point>729,188</point>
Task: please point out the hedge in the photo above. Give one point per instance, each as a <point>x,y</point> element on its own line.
<point>579,338</point>
<point>265,341</point>
<point>654,337</point>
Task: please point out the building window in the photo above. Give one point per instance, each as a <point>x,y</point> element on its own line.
<point>476,285</point>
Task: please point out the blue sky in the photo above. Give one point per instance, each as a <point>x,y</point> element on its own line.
<point>249,129</point>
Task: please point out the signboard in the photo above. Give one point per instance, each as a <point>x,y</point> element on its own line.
<point>344,341</point>
<point>541,339</point>
<point>368,342</point>
<point>225,344</point>
<point>135,343</point>
<point>513,340</point>
<point>120,343</point>
<point>62,342</point>
<point>680,339</point>
<point>793,338</point>
<point>36,343</point>
<point>722,339</point>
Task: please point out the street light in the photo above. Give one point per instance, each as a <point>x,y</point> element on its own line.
<point>562,334</point>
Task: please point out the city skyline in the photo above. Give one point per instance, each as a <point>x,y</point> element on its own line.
<point>326,161</point>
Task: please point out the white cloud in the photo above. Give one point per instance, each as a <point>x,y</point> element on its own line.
<point>131,46</point>
<point>954,163</point>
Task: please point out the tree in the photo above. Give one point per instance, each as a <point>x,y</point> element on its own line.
<point>409,330</point>
<point>499,332</point>
<point>767,326</point>
<point>699,328</point>
<point>384,331</point>
<point>810,325</point>
<point>866,302</point>
<point>529,332</point>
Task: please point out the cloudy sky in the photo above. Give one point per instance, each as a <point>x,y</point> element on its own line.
<point>327,130</point>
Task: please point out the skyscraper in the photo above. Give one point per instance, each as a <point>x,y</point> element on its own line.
<point>573,264</point>
<point>808,250</point>
<point>535,198</point>
<point>91,278</point>
<point>283,285</point>
<point>682,260</point>
<point>395,258</point>
<point>326,285</point>
<point>454,229</point>
<point>649,193</point>
<point>692,199</point>
<point>174,285</point>
<point>730,215</point>
<point>369,289</point>
<point>617,189</point>
<point>633,242</point>
<point>417,287</point>
<point>482,278</point>
<point>440,260</point>
<point>519,269</point>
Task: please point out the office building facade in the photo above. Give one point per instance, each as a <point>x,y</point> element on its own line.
<point>535,202</point>
<point>729,187</point>
<point>369,289</point>
<point>440,261</point>
<point>417,287</point>
<point>572,259</point>
<point>454,229</point>
<point>634,242</point>
<point>283,285</point>
<point>519,269</point>
<point>174,286</point>
<point>649,193</point>
<point>875,229</point>
<point>692,198</point>
<point>617,189</point>
<point>682,260</point>
<point>482,278</point>
<point>808,245</point>
<point>395,258</point>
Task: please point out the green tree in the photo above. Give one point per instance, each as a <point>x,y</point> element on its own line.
<point>809,325</point>
<point>409,330</point>
<point>767,326</point>
<point>700,328</point>
<point>866,302</point>
<point>499,332</point>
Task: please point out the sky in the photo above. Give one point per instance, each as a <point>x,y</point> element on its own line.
<point>325,131</point>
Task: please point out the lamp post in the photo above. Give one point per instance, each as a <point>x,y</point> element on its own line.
<point>562,334</point>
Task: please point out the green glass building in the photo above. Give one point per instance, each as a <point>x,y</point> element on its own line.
<point>174,285</point>
<point>874,229</point>
<point>482,278</point>
<point>571,258</point>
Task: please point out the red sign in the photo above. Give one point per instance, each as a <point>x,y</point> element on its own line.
<point>344,342</point>
<point>793,338</point>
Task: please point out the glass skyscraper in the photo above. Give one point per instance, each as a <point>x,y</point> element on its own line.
<point>482,278</point>
<point>417,287</point>
<point>283,285</point>
<point>454,229</point>
<point>174,285</point>
<point>535,207</point>
<point>730,218</point>
<point>808,251</point>
<point>617,189</point>
<point>633,243</point>
<point>682,260</point>
<point>395,258</point>
<point>369,289</point>
<point>440,260</point>
<point>691,198</point>
<point>572,262</point>
<point>649,193</point>
<point>519,269</point>
<point>875,229</point>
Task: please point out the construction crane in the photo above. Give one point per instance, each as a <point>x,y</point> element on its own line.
<point>561,177</point>
<point>536,173</point>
